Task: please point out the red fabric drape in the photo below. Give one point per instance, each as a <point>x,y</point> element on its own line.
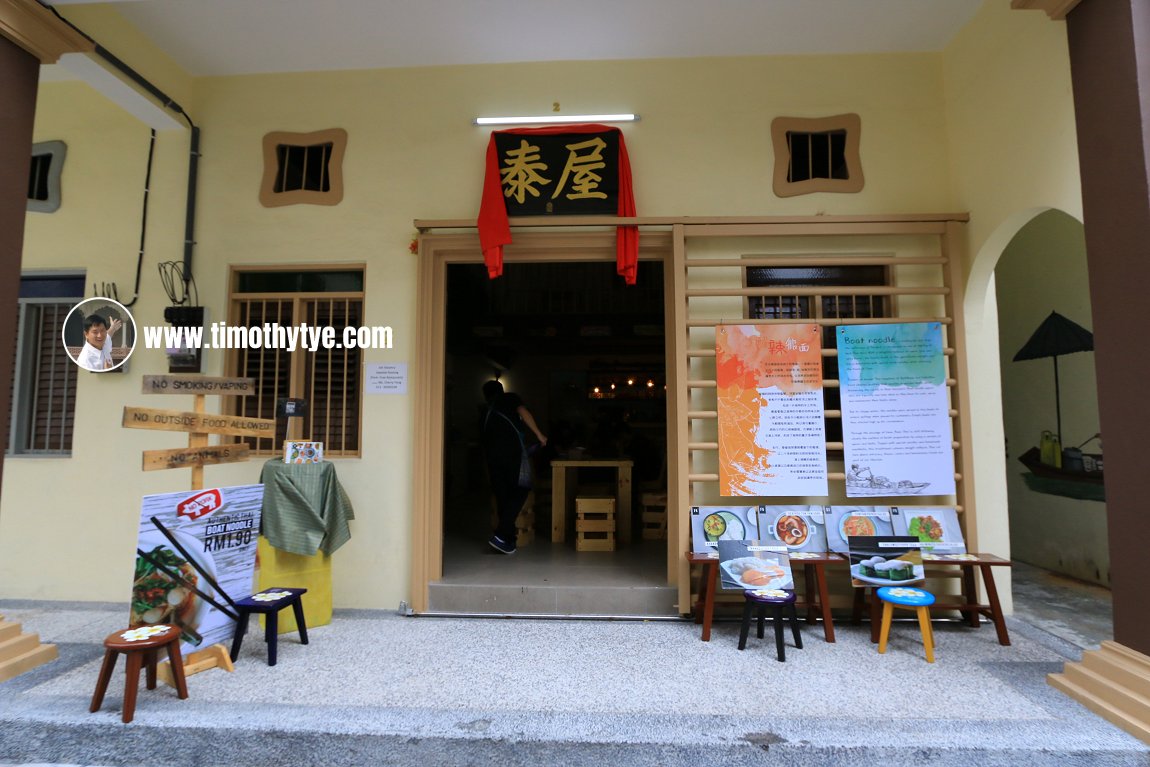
<point>494,231</point>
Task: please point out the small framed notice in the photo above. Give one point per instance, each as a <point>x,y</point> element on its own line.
<point>387,378</point>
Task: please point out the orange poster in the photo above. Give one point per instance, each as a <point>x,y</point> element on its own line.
<point>772,440</point>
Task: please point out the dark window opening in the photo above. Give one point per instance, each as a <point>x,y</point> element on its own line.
<point>817,155</point>
<point>301,282</point>
<point>38,177</point>
<point>303,168</point>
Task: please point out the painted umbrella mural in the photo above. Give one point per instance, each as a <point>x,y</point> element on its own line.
<point>1055,337</point>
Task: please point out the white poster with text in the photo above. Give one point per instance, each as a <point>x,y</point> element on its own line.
<point>897,435</point>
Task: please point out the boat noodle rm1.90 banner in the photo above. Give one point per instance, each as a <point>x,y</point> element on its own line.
<point>897,437</point>
<point>772,439</point>
<point>205,542</point>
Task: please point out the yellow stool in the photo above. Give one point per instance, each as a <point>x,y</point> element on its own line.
<point>909,599</point>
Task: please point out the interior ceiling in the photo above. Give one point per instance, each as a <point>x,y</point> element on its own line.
<point>228,37</point>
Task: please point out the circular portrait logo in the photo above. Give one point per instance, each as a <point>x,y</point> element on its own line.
<point>99,334</point>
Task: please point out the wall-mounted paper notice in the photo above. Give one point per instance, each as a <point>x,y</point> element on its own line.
<point>387,378</point>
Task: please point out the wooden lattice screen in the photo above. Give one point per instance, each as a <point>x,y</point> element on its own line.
<point>708,278</point>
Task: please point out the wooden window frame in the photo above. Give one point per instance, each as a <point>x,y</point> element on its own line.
<point>58,151</point>
<point>781,126</point>
<point>299,362</point>
<point>270,198</point>
<point>27,388</point>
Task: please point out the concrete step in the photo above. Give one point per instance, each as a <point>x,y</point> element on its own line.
<point>8,630</point>
<point>1107,687</point>
<point>1116,663</point>
<point>37,656</point>
<point>1110,682</point>
<point>17,645</point>
<point>487,599</point>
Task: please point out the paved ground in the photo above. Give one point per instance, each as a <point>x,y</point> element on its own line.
<point>374,688</point>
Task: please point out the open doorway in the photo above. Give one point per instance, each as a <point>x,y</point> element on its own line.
<point>586,353</point>
<point>1049,398</point>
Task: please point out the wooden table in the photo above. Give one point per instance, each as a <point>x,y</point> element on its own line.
<point>816,599</point>
<point>969,603</point>
<point>559,472</point>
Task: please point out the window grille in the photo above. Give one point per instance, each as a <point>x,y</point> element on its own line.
<point>303,168</point>
<point>44,176</point>
<point>844,307</point>
<point>331,380</point>
<point>42,399</point>
<point>816,155</point>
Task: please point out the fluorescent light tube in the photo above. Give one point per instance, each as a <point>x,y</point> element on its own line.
<point>553,118</point>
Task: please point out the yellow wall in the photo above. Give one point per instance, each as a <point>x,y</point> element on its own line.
<point>1013,154</point>
<point>702,147</point>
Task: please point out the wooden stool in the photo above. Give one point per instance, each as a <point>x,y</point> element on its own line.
<point>776,599</point>
<point>140,645</point>
<point>594,523</point>
<point>909,599</point>
<point>268,603</point>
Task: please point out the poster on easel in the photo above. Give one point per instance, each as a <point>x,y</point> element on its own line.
<point>802,529</point>
<point>772,436</point>
<point>192,549</point>
<point>937,528</point>
<point>754,565</point>
<point>846,521</point>
<point>897,433</point>
<point>711,524</point>
<point>885,560</point>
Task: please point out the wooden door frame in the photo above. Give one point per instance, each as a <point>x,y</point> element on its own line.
<point>436,252</point>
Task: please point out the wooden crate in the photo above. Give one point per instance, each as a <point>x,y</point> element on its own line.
<point>594,524</point>
<point>595,542</point>
<point>585,504</point>
<point>654,516</point>
<point>654,525</point>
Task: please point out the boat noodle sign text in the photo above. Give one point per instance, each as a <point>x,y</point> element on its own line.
<point>179,420</point>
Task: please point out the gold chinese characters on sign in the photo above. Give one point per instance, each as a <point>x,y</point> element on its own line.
<point>559,173</point>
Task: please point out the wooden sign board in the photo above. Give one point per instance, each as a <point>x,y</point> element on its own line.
<point>196,384</point>
<point>183,457</point>
<point>202,423</point>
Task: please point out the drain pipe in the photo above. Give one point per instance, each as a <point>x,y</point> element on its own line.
<point>194,148</point>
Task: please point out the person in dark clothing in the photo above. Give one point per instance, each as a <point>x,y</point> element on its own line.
<point>504,425</point>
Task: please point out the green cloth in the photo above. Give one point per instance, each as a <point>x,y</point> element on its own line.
<point>305,508</point>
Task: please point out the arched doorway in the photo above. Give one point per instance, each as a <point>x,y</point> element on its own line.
<point>1056,522</point>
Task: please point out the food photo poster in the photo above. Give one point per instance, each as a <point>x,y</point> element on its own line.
<point>937,528</point>
<point>802,529</point>
<point>885,560</point>
<point>754,565</point>
<point>846,521</point>
<point>711,524</point>
<point>205,543</point>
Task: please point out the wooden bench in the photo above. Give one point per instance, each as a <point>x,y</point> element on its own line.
<point>817,602</point>
<point>967,601</point>
<point>815,599</point>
